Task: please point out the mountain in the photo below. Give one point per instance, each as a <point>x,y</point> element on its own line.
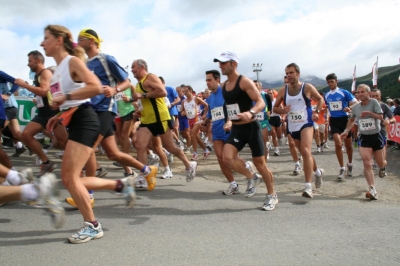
<point>388,82</point>
<point>317,82</point>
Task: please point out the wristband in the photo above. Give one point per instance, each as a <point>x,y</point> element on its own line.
<point>118,89</point>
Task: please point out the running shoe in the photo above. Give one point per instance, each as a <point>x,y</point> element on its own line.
<point>194,157</point>
<point>270,202</point>
<point>341,176</point>
<point>59,155</point>
<point>318,149</point>
<point>151,178</point>
<point>307,193</point>
<point>133,174</point>
<point>140,182</point>
<point>170,158</point>
<point>252,168</point>
<point>287,141</point>
<point>48,167</point>
<point>129,192</point>
<point>276,152</point>
<point>372,194</point>
<point>86,233</point>
<point>326,146</point>
<point>349,170</point>
<point>26,176</point>
<point>382,172</point>
<point>19,151</point>
<point>48,193</point>
<point>318,179</point>
<point>232,189</point>
<point>101,172</point>
<point>167,174</point>
<point>209,146</point>
<point>117,164</point>
<point>191,172</point>
<point>251,188</point>
<point>72,203</point>
<point>206,154</point>
<point>300,157</point>
<point>297,169</point>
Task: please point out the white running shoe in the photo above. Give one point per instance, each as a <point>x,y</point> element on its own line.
<point>308,192</point>
<point>140,182</point>
<point>318,179</point>
<point>167,174</point>
<point>270,202</point>
<point>297,169</point>
<point>232,189</point>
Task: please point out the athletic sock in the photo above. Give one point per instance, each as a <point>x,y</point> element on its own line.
<point>29,192</point>
<point>13,178</point>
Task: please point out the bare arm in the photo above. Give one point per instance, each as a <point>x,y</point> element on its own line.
<point>277,108</point>
<point>45,78</point>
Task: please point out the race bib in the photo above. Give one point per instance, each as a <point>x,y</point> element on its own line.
<point>179,107</point>
<point>140,105</point>
<point>233,110</point>
<point>39,101</point>
<point>367,124</point>
<point>190,113</point>
<point>217,113</point>
<point>118,96</point>
<point>296,116</point>
<point>56,89</point>
<point>335,106</point>
<point>260,116</point>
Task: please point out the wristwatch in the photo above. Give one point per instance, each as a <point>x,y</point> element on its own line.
<point>144,95</point>
<point>253,114</point>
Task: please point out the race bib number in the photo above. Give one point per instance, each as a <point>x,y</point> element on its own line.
<point>140,105</point>
<point>296,116</point>
<point>190,113</point>
<point>260,116</point>
<point>367,124</point>
<point>118,96</point>
<point>335,106</point>
<point>313,108</point>
<point>56,89</point>
<point>233,110</point>
<point>179,107</point>
<point>217,113</point>
<point>39,101</point>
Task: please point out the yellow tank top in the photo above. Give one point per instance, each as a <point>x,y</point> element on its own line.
<point>154,109</point>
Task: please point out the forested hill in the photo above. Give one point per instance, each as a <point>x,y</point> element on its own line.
<point>388,82</point>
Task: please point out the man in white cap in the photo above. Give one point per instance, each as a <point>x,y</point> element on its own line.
<point>239,93</point>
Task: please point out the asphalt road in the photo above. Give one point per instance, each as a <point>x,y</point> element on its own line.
<point>182,223</point>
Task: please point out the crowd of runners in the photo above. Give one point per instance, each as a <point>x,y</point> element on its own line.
<point>87,103</point>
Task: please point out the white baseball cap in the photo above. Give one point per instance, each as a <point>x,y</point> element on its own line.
<point>227,56</point>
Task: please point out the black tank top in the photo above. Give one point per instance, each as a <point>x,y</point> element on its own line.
<point>46,109</point>
<point>237,96</point>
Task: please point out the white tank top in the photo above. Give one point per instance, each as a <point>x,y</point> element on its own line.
<point>272,104</point>
<point>190,108</point>
<point>62,83</point>
<point>300,110</point>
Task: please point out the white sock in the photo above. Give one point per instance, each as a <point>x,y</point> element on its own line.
<point>234,183</point>
<point>318,172</point>
<point>5,183</point>
<point>298,163</point>
<point>247,166</point>
<point>167,168</point>
<point>167,152</point>
<point>350,164</point>
<point>18,145</point>
<point>308,184</point>
<point>343,168</point>
<point>29,192</point>
<point>13,178</point>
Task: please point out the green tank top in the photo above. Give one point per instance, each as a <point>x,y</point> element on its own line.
<point>124,108</point>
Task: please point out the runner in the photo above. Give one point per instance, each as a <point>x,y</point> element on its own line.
<point>337,101</point>
<point>192,112</point>
<point>71,85</point>
<point>217,114</point>
<point>155,118</point>
<point>297,105</point>
<point>369,116</point>
<point>239,93</point>
<point>41,88</point>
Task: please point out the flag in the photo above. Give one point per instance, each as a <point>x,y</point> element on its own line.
<point>375,74</point>
<point>353,86</point>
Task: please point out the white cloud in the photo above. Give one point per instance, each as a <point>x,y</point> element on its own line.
<point>180,38</point>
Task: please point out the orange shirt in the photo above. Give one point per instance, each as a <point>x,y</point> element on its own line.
<point>321,115</point>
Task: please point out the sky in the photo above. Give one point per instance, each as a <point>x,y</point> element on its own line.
<point>180,38</point>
